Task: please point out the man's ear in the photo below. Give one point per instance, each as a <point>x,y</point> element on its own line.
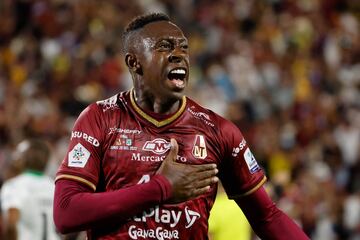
<point>132,63</point>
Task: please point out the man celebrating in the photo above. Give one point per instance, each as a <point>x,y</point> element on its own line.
<point>142,164</point>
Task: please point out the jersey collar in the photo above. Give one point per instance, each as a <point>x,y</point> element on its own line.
<point>33,172</point>
<point>153,120</point>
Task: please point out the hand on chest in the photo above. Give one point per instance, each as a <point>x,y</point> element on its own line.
<point>153,147</point>
<point>142,150</point>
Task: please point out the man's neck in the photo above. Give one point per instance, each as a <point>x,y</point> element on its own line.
<point>156,105</point>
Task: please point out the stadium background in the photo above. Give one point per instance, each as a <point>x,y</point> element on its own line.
<point>287,72</point>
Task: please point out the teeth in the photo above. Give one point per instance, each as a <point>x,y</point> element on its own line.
<point>178,71</point>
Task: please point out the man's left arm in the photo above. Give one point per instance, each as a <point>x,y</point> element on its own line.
<point>268,221</point>
<point>243,179</point>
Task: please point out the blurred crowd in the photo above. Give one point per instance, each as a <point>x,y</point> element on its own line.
<point>287,72</point>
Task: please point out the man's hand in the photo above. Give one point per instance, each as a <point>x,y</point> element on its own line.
<point>188,181</point>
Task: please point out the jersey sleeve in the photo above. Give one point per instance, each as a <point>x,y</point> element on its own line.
<point>83,159</point>
<point>239,172</point>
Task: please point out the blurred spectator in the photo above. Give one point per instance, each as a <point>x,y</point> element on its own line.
<point>226,220</point>
<point>27,199</point>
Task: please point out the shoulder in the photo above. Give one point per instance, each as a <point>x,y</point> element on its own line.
<point>116,103</point>
<point>106,106</point>
<point>14,183</point>
<point>207,116</point>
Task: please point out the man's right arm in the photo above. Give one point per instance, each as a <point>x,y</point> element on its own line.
<point>11,221</point>
<point>77,208</point>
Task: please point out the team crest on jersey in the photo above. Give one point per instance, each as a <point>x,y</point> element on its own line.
<point>199,148</point>
<point>158,146</point>
<point>251,161</point>
<point>78,156</point>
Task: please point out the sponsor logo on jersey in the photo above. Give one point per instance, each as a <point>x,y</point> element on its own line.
<point>158,233</point>
<point>78,156</point>
<point>158,146</point>
<point>108,103</point>
<point>251,161</point>
<point>86,137</point>
<point>171,217</point>
<point>237,149</point>
<point>201,115</point>
<point>113,130</point>
<point>191,217</point>
<point>199,148</point>
<point>153,158</point>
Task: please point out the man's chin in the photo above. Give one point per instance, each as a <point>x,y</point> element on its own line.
<point>175,95</point>
<point>178,95</point>
<point>176,85</point>
<point>175,91</point>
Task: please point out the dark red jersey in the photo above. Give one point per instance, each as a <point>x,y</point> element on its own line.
<point>115,144</point>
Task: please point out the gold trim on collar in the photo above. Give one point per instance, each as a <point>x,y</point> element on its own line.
<point>153,120</point>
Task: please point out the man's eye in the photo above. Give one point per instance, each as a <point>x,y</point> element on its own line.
<point>164,45</point>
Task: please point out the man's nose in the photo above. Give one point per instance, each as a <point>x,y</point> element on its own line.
<point>175,58</point>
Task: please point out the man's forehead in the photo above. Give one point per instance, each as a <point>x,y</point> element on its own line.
<point>161,30</point>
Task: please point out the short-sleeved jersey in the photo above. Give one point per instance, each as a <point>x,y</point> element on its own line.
<point>115,144</point>
<point>33,196</point>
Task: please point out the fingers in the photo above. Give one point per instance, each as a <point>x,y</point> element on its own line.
<point>206,182</point>
<point>202,183</point>
<point>174,149</point>
<point>187,180</point>
<point>200,191</point>
<point>205,167</point>
<point>205,174</point>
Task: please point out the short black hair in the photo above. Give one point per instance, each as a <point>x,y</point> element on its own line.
<point>142,20</point>
<point>139,22</point>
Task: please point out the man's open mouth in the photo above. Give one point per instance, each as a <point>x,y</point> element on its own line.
<point>177,77</point>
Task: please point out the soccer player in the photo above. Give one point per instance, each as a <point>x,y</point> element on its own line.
<point>27,199</point>
<point>142,164</point>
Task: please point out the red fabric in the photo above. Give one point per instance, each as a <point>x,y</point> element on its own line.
<point>103,128</point>
<point>77,208</point>
<point>114,145</point>
<point>267,220</point>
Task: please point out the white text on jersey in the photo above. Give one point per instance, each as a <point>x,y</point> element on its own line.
<point>86,137</point>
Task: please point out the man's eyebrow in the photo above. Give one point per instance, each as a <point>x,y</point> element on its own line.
<point>181,40</point>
